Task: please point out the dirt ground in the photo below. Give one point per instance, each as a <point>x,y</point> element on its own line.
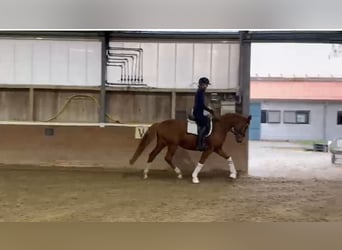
<point>286,183</point>
<point>292,161</point>
<point>107,196</point>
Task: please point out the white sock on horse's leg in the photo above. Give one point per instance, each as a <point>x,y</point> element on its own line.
<point>195,173</point>
<point>178,172</point>
<point>232,168</point>
<point>148,165</point>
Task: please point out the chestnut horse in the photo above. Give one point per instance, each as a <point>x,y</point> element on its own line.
<point>173,133</point>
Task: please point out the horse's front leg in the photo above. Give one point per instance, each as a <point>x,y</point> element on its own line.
<point>232,169</point>
<point>200,165</point>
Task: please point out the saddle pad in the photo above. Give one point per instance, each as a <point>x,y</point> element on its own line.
<point>192,127</point>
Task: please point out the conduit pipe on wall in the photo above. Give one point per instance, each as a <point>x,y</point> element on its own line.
<point>131,58</point>
<point>139,66</point>
<point>136,56</point>
<point>124,63</point>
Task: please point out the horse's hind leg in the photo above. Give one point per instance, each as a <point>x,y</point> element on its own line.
<point>171,150</point>
<point>159,147</point>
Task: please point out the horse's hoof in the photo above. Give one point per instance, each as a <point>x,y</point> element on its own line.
<point>145,177</point>
<point>180,176</point>
<point>195,180</point>
<point>232,175</point>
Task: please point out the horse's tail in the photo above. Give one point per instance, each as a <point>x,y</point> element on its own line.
<point>145,141</point>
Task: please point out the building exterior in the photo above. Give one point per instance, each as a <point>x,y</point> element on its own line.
<point>296,110</point>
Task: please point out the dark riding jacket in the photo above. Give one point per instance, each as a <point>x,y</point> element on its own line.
<point>199,108</point>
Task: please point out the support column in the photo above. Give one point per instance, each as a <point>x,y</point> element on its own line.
<point>31,104</point>
<point>173,105</point>
<point>103,103</point>
<point>244,72</point>
<point>244,86</point>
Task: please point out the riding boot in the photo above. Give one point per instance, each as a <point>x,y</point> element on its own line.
<point>200,139</point>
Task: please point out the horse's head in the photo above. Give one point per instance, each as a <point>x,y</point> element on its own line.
<point>240,127</point>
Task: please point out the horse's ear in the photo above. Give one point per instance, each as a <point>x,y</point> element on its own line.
<point>249,118</point>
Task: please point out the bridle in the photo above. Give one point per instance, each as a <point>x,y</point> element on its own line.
<point>236,132</point>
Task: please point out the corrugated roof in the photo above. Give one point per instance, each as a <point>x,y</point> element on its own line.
<point>293,90</point>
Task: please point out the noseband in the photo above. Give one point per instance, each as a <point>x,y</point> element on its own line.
<point>236,133</point>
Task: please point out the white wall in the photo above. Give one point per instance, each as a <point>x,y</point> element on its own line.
<point>165,64</point>
<point>180,64</point>
<point>282,131</point>
<point>332,129</point>
<point>52,62</point>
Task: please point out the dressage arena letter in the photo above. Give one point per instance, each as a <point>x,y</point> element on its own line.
<point>140,132</point>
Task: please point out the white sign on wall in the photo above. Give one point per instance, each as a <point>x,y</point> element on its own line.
<point>140,131</point>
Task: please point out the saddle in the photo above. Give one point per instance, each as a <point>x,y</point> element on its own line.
<point>192,126</point>
<point>192,118</point>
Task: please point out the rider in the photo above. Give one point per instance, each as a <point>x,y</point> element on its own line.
<point>201,120</point>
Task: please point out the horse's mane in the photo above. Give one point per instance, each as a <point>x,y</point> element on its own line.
<point>231,114</point>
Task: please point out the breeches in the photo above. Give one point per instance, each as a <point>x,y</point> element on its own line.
<point>201,120</point>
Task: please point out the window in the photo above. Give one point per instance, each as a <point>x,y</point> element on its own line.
<point>339,117</point>
<point>263,116</point>
<point>289,116</point>
<point>302,117</point>
<point>270,116</point>
<point>296,117</point>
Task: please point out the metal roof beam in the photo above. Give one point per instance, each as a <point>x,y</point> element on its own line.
<point>295,36</point>
<point>179,35</point>
<point>52,34</point>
